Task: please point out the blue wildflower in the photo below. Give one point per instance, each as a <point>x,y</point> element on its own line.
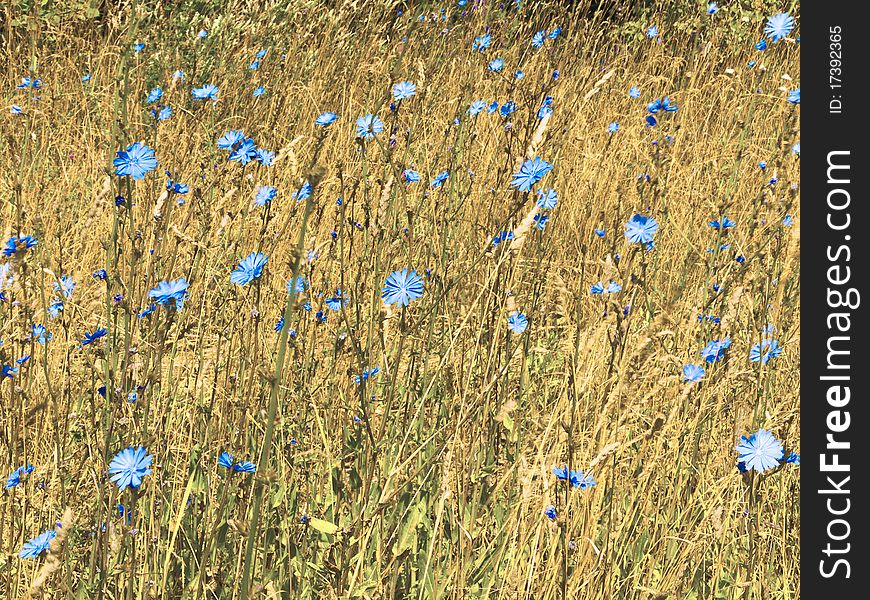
<point>34,547</point>
<point>137,160</point>
<point>250,268</point>
<point>172,293</point>
<point>765,350</point>
<point>517,322</point>
<point>401,287</point>
<point>265,194</point>
<point>404,90</point>
<point>530,173</point>
<point>692,373</point>
<point>368,127</point>
<point>640,229</point>
<point>778,26</point>
<point>760,451</point>
<point>324,119</point>
<point>208,91</point>
<point>129,467</point>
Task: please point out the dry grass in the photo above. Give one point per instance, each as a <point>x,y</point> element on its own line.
<point>431,480</point>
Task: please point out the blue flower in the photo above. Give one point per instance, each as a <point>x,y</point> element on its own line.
<point>517,322</point>
<point>481,42</point>
<point>725,223</point>
<point>495,65</point>
<point>401,287</point>
<point>547,199</point>
<point>177,188</point>
<point>66,285</point>
<point>170,293</point>
<point>538,38</point>
<point>365,375</point>
<point>90,338</point>
<point>230,138</point>
<point>712,9</point>
<point>245,466</point>
<point>225,460</point>
<point>336,301</point>
<point>439,179</point>
<point>410,176</point>
<point>613,127</point>
<point>368,127</point>
<point>15,109</point>
<point>794,458</point>
<point>530,173</point>
<point>259,91</point>
<point>555,33</point>
<point>244,152</point>
<point>692,373</point>
<point>55,308</point>
<point>652,31</point>
<point>651,121</point>
<point>597,289</point>
<point>202,34</point>
<point>613,287</point>
<point>541,220</point>
<point>761,45</point>
<point>36,546</point>
<point>794,96</point>
<point>207,92</point>
<point>476,107</point>
<point>324,119</point>
<point>778,26</point>
<point>404,90</point>
<point>765,350</point>
<point>129,467</point>
<point>796,148</point>
<point>715,350</point>
<point>577,478</point>
<point>640,229</point>
<point>550,511</point>
<point>135,161</point>
<point>138,47</point>
<point>303,193</point>
<point>154,95</point>
<point>249,269</point>
<point>16,243</point>
<point>502,237</point>
<point>663,104</point>
<point>265,194</point>
<point>788,221</point>
<point>13,480</point>
<point>300,286</point>
<point>40,334</point>
<point>86,77</point>
<point>760,451</point>
<point>28,82</point>
<point>507,109</point>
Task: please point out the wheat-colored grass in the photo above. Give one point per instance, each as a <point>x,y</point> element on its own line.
<point>431,480</point>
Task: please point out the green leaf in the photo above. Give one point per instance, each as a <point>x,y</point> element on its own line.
<point>408,537</point>
<point>323,526</point>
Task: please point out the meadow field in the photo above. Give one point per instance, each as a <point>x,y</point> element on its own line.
<point>368,299</point>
